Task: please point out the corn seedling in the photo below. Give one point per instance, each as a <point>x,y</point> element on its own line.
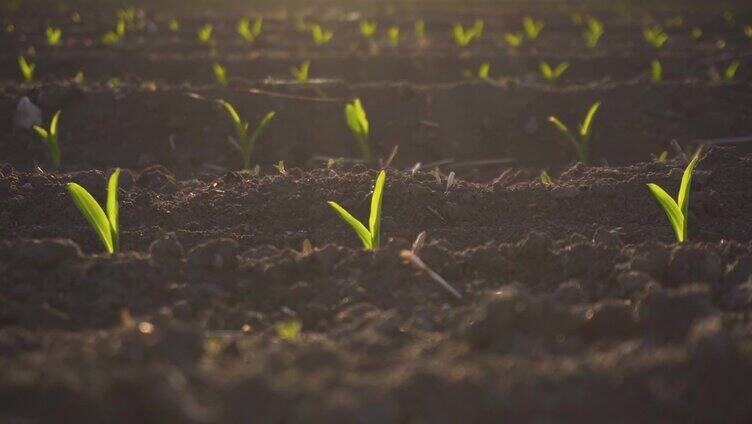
<point>677,210</point>
<point>514,39</point>
<point>661,158</point>
<point>27,69</point>
<point>173,25</point>
<point>320,36</point>
<point>75,17</point>
<point>730,73</point>
<point>243,142</point>
<point>419,28</point>
<point>371,236</point>
<point>394,35</point>
<point>105,225</point>
<point>656,71</point>
<point>280,166</point>
<point>356,119</point>
<point>720,44</point>
<point>728,16</point>
<point>300,74</point>
<point>545,179</point>
<point>593,33</point>
<point>696,33</point>
<point>54,36</point>
<point>220,73</point>
<point>462,36</point>
<point>367,28</point>
<point>532,27</point>
<point>483,71</point>
<point>289,331</point>
<point>115,36</point>
<point>655,36</point>
<point>49,136</point>
<point>553,74</point>
<point>205,34</point>
<point>748,31</point>
<point>114,82</point>
<point>79,77</point>
<point>478,26</point>
<point>249,32</point>
<point>580,141</point>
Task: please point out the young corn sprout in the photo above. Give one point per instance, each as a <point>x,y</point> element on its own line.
<point>105,225</point>
<point>553,74</point>
<point>300,74</point>
<point>79,77</point>
<point>748,31</point>
<point>367,28</point>
<point>356,119</point>
<point>249,32</point>
<point>394,35</point>
<point>514,39</point>
<point>27,69</point>
<point>656,71</point>
<point>205,34</point>
<point>696,33</point>
<point>75,17</point>
<point>320,36</point>
<point>593,33</point>
<point>371,236</point>
<point>677,210</point>
<point>115,36</point>
<point>478,26</point>
<point>730,73</point>
<point>655,36</point>
<point>173,25</point>
<point>244,143</point>
<point>220,73</point>
<point>532,27</point>
<point>50,138</point>
<point>483,71</point>
<point>581,141</point>
<point>419,29</point>
<point>462,36</point>
<point>545,179</point>
<point>54,36</point>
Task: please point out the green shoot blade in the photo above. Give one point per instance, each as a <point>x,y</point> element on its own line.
<point>231,110</point>
<point>673,212</point>
<point>359,228</point>
<point>587,123</point>
<point>261,127</point>
<point>684,188</point>
<point>113,208</point>
<point>53,124</point>
<point>374,221</point>
<point>560,69</point>
<point>558,124</point>
<point>42,132</point>
<point>93,213</point>
<point>546,70</point>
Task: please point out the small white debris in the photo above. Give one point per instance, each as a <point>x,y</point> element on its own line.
<point>27,114</point>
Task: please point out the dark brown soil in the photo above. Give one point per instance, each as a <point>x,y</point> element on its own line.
<point>577,305</point>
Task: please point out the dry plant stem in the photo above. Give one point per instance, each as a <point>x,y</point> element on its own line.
<point>418,263</point>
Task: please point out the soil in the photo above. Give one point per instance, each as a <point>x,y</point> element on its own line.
<point>576,302</point>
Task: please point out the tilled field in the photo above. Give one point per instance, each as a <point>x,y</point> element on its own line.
<point>240,296</point>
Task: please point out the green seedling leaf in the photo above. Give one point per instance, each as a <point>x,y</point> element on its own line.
<point>483,70</point>
<point>220,73</point>
<point>593,33</point>
<point>394,35</point>
<point>27,69</point>
<point>113,209</point>
<point>367,28</point>
<point>545,179</point>
<point>656,71</point>
<point>289,331</point>
<point>105,225</point>
<point>374,220</point>
<point>419,29</point>
<point>696,33</point>
<point>553,74</point>
<point>50,138</point>
<point>370,237</point>
<point>677,212</point>
<point>320,36</point>
<point>301,74</point>
<point>532,27</point>
<point>655,36</point>
<point>581,141</point>
<point>173,25</point>
<point>730,73</point>
<point>54,36</point>
<point>514,39</point>
<point>356,119</point>
<point>205,34</point>
<point>246,143</point>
